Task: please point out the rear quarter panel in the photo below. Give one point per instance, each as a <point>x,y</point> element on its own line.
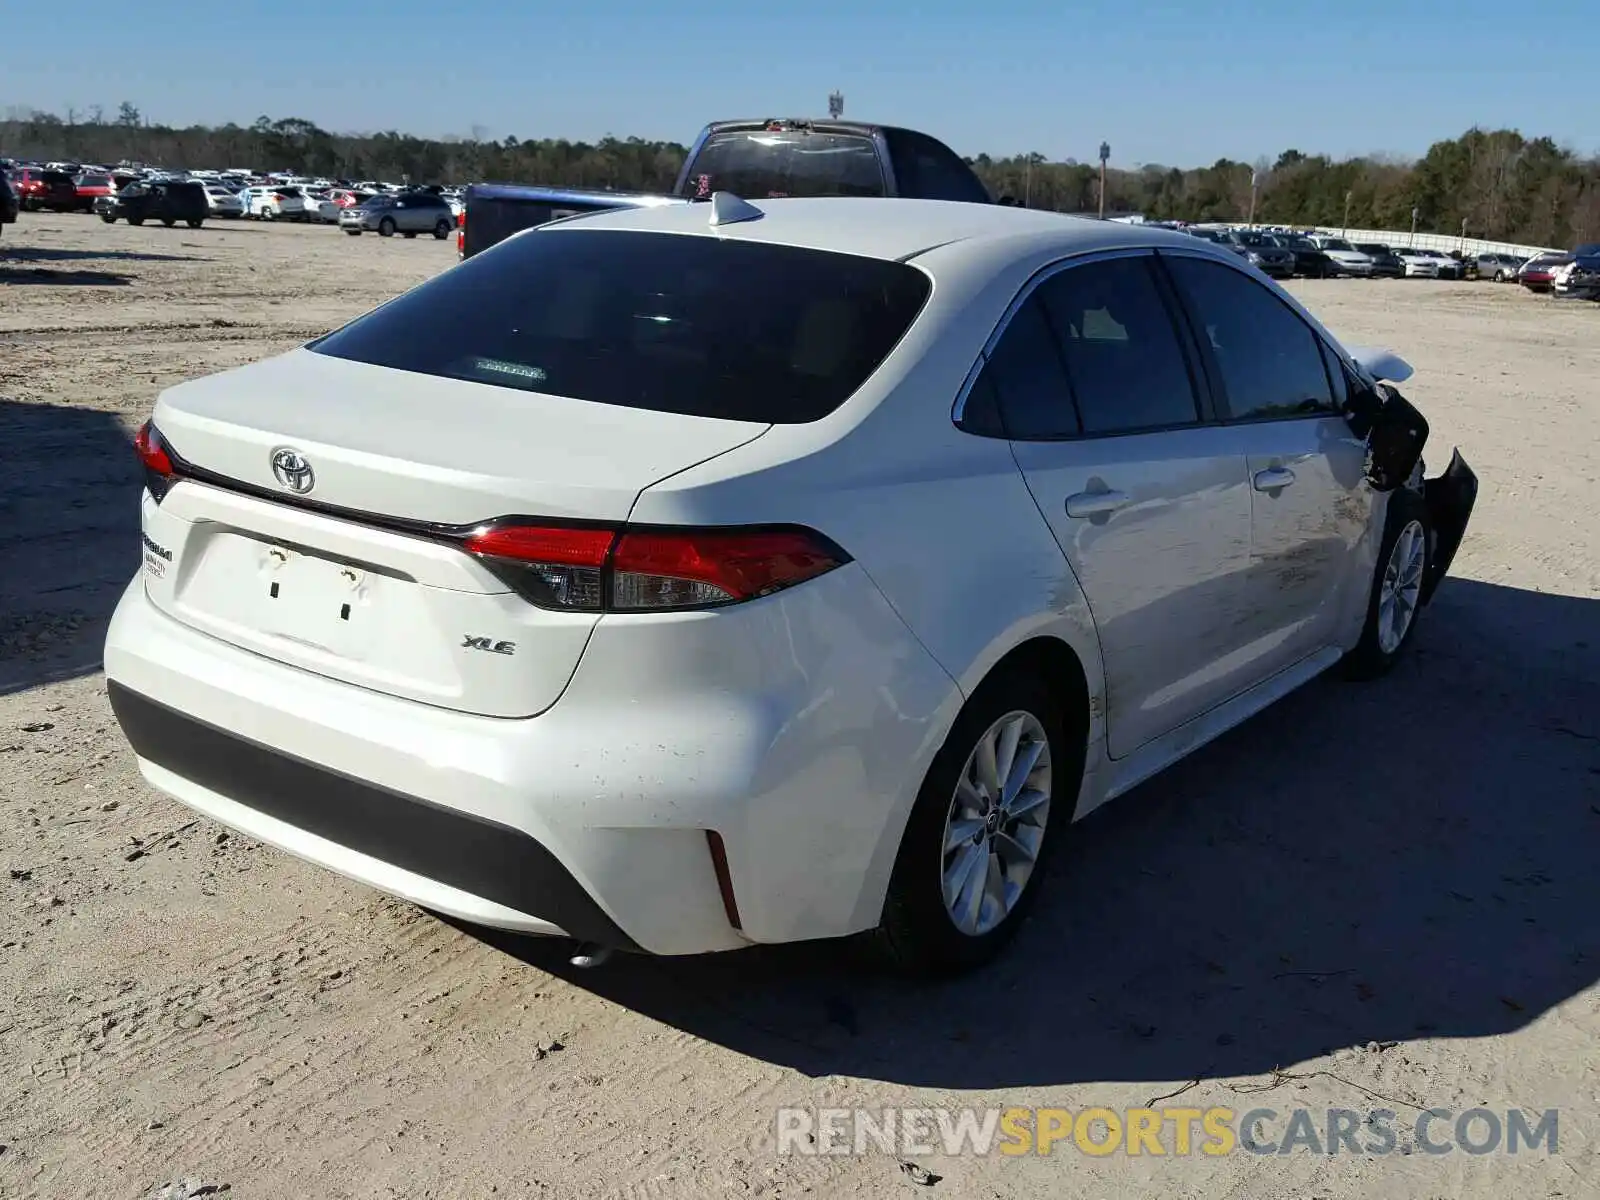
<point>940,520</point>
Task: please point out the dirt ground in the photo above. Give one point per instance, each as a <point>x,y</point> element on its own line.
<point>1373,896</point>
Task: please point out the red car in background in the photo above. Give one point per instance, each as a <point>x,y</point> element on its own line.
<point>38,188</point>
<point>90,188</point>
<point>1538,273</point>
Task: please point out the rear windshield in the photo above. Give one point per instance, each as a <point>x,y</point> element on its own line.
<point>753,163</point>
<point>746,331</point>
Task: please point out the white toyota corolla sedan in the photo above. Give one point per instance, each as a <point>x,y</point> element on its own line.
<point>683,578</point>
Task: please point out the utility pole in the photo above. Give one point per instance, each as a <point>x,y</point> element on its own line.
<point>1254,179</point>
<point>1105,153</point>
<point>1462,244</point>
<point>1348,197</point>
<point>836,104</point>
<point>1027,184</point>
<point>1413,226</point>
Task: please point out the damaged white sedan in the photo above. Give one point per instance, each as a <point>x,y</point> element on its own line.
<point>684,578</point>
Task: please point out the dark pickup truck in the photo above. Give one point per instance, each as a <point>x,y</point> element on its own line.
<point>755,159</point>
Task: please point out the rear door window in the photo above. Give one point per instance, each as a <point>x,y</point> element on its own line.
<point>756,163</point>
<point>740,330</point>
<point>1124,361</point>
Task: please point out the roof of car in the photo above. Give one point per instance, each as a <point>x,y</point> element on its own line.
<point>894,229</point>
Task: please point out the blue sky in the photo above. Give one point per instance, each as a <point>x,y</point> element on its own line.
<point>1178,84</point>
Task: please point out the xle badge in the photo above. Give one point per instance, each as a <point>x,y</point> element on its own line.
<point>482,643</point>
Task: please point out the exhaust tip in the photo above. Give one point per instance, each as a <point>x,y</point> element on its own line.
<point>590,955</point>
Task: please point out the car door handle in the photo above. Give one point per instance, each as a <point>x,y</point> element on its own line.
<point>1094,504</point>
<point>1273,478</point>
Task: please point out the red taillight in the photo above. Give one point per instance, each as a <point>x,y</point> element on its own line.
<point>671,569</point>
<point>152,450</point>
<point>651,570</point>
<point>551,566</point>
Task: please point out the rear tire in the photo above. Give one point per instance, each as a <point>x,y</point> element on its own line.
<point>193,223</point>
<point>386,227</point>
<point>918,933</point>
<point>441,230</point>
<point>1395,601</point>
<point>108,218</point>
<point>169,222</point>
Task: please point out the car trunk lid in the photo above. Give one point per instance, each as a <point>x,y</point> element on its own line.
<point>361,576</point>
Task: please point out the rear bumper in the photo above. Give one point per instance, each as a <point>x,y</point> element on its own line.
<point>451,849</point>
<point>798,730</point>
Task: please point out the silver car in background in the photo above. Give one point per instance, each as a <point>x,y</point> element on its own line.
<point>409,213</point>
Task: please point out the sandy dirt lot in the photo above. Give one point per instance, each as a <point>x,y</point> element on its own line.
<point>1377,896</point>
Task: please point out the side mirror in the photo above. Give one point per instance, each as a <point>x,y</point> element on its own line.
<point>1395,433</point>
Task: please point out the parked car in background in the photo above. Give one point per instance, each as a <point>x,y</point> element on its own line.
<point>1385,262</point>
<point>1583,274</point>
<point>270,203</point>
<point>1346,259</point>
<point>1502,268</point>
<point>40,188</point>
<point>747,441</point>
<point>408,213</point>
<point>1260,250</point>
<point>320,207</point>
<point>10,205</point>
<point>1309,261</point>
<point>1538,273</point>
<point>90,188</point>
<point>166,201</point>
<point>1445,266</point>
<point>349,197</point>
<point>223,202</point>
<point>1418,264</point>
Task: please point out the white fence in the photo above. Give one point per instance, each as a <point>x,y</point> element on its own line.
<point>1434,241</point>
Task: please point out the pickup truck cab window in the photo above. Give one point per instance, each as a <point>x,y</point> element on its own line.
<point>757,164</point>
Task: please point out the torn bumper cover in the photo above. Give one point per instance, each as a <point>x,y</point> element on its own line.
<point>1449,498</point>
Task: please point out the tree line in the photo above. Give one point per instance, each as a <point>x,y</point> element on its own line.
<point>1494,184</point>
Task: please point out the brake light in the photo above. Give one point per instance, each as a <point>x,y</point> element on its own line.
<point>650,570</point>
<point>674,569</point>
<point>152,450</point>
<point>159,472</point>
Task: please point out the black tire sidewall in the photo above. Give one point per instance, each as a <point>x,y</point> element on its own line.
<point>916,930</point>
<point>386,228</point>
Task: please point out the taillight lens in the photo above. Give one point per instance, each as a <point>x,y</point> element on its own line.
<point>551,566</point>
<point>152,450</point>
<point>159,474</point>
<point>651,570</point>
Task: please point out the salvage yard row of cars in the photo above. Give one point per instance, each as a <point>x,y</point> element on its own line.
<point>72,187</point>
<point>1286,253</point>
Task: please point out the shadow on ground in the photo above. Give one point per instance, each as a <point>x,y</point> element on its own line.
<point>44,275</point>
<point>1375,862</point>
<point>50,254</point>
<point>69,533</point>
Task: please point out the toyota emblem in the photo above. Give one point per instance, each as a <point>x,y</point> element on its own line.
<point>290,468</point>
